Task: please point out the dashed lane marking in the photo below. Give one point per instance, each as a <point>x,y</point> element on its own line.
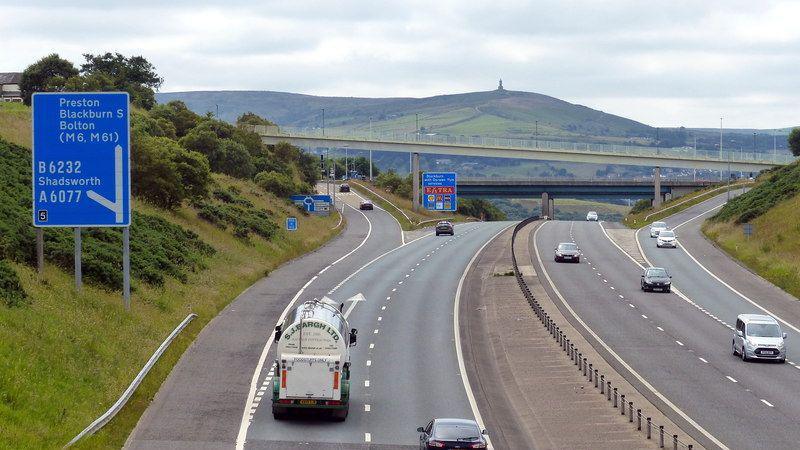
<point>732,379</point>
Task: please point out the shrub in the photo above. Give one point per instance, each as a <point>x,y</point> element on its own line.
<point>278,183</point>
<point>640,205</point>
<point>244,219</point>
<point>480,208</point>
<point>236,161</point>
<point>11,291</point>
<point>782,184</point>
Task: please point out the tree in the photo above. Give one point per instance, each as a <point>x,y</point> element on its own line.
<point>249,118</point>
<point>49,74</point>
<point>135,75</point>
<point>235,160</point>
<point>176,112</point>
<point>794,141</point>
<point>278,183</point>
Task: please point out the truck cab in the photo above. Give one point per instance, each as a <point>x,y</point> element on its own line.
<point>312,369</point>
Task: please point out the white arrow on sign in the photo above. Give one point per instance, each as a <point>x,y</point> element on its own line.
<point>354,299</point>
<point>116,205</point>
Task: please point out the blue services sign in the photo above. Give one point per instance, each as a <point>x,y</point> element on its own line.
<point>439,191</point>
<point>291,223</point>
<point>320,204</point>
<point>81,160</point>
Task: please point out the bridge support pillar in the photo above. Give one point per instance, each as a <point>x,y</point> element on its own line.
<point>657,185</point>
<point>415,182</point>
<point>545,205</point>
<point>552,209</point>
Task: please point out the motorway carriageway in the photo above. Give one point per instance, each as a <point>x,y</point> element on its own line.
<point>680,343</point>
<point>404,369</point>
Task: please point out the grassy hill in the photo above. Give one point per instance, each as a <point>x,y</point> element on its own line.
<point>66,356</point>
<point>490,113</point>
<point>773,208</point>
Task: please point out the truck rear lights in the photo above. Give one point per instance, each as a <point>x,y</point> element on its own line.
<point>283,379</point>
<point>336,380</point>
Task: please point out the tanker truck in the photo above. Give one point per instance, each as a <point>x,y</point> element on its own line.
<point>312,366</point>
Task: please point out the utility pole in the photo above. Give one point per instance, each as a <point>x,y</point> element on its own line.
<point>774,146</point>
<point>417,119</point>
<point>658,142</point>
<point>323,122</point>
<point>754,144</point>
<point>694,172</point>
<point>346,170</point>
<point>720,146</point>
<point>536,133</point>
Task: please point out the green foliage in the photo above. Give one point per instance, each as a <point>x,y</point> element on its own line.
<point>176,112</point>
<point>49,74</point>
<point>235,160</point>
<point>782,184</point>
<point>11,292</point>
<point>141,122</point>
<point>480,208</point>
<point>640,205</point>
<point>250,118</point>
<point>238,212</point>
<point>394,183</point>
<point>134,75</point>
<point>794,141</point>
<point>165,174</point>
<point>279,184</point>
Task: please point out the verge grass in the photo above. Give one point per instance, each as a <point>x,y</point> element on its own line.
<point>15,123</point>
<point>773,248</point>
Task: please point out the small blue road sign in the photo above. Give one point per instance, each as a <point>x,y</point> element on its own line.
<point>320,204</point>
<point>81,160</point>
<point>291,223</point>
<point>439,191</point>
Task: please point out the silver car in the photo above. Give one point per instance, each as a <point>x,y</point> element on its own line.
<point>667,238</point>
<point>657,227</point>
<point>591,216</point>
<point>759,337</point>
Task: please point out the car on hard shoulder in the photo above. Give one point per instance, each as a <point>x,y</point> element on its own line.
<point>567,252</point>
<point>656,278</point>
<point>451,433</point>
<point>366,205</point>
<point>657,227</point>
<point>591,216</point>
<point>445,227</point>
<point>759,337</point>
<point>667,238</point>
<point>344,187</point>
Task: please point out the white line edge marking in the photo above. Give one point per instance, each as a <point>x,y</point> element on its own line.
<point>733,380</point>
<point>245,423</point>
<point>641,379</point>
<point>767,403</point>
<point>702,359</point>
<point>457,335</point>
<point>367,437</point>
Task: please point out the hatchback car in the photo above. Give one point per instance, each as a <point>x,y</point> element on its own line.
<point>656,278</point>
<point>657,227</point>
<point>591,216</point>
<point>445,227</point>
<point>344,187</point>
<point>759,337</point>
<point>667,238</point>
<point>567,251</point>
<point>366,205</point>
<point>451,433</point>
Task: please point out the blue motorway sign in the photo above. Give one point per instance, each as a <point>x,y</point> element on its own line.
<point>439,191</point>
<point>320,204</point>
<point>81,160</point>
<point>291,223</point>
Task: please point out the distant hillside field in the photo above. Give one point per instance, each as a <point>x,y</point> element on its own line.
<point>489,113</point>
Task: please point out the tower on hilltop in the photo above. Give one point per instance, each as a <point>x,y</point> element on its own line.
<point>500,86</point>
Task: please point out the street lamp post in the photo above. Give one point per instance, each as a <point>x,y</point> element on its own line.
<point>323,122</point>
<point>720,146</point>
<point>537,134</point>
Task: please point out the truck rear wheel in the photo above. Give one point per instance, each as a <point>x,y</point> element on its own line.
<point>279,413</point>
<point>340,415</point>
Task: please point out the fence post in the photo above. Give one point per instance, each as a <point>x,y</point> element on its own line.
<point>584,366</point>
<point>615,398</point>
<point>622,404</point>
<point>595,378</point>
<point>661,436</point>
<point>674,442</point>
<point>630,412</point>
<point>639,419</point>
<point>608,390</point>
<point>590,372</point>
<point>649,428</point>
<point>602,384</point>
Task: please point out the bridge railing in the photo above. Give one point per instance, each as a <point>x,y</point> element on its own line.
<point>404,137</point>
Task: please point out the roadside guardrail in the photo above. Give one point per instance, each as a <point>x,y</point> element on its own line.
<point>120,403</point>
<point>615,398</point>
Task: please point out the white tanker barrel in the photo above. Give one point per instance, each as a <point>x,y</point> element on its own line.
<point>315,328</point>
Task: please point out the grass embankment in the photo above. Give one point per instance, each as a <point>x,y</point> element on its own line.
<point>773,209</point>
<point>639,219</point>
<point>65,357</point>
<point>411,220</point>
<point>15,123</point>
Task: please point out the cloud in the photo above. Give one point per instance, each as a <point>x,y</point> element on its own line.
<point>665,63</point>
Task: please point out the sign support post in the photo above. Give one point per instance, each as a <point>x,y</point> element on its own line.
<point>126,267</point>
<point>78,273</point>
<point>40,252</point>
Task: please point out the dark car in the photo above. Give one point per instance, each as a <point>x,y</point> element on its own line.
<point>445,227</point>
<point>656,278</point>
<point>366,204</point>
<point>451,433</point>
<point>344,187</point>
<point>567,251</point>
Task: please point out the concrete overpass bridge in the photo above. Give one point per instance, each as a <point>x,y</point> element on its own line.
<point>528,149</point>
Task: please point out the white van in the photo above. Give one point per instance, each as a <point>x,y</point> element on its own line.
<point>759,337</point>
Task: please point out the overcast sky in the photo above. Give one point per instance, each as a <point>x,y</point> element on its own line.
<point>665,63</point>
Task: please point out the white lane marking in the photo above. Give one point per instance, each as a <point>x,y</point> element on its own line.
<point>612,287</point>
<point>371,346</point>
<point>417,264</point>
<point>383,308</point>
<point>621,296</point>
<point>679,343</point>
<point>367,437</point>
<point>369,362</point>
<point>457,337</point>
<point>605,281</point>
<point>644,317</point>
<point>660,329</point>
<point>631,305</point>
<point>641,379</point>
<point>394,289</point>
<point>767,403</point>
<point>388,298</point>
<point>732,379</point>
<point>408,275</point>
<point>366,383</point>
<point>375,332</point>
<point>399,282</point>
<point>702,359</point>
<point>366,409</point>
<point>380,318</point>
